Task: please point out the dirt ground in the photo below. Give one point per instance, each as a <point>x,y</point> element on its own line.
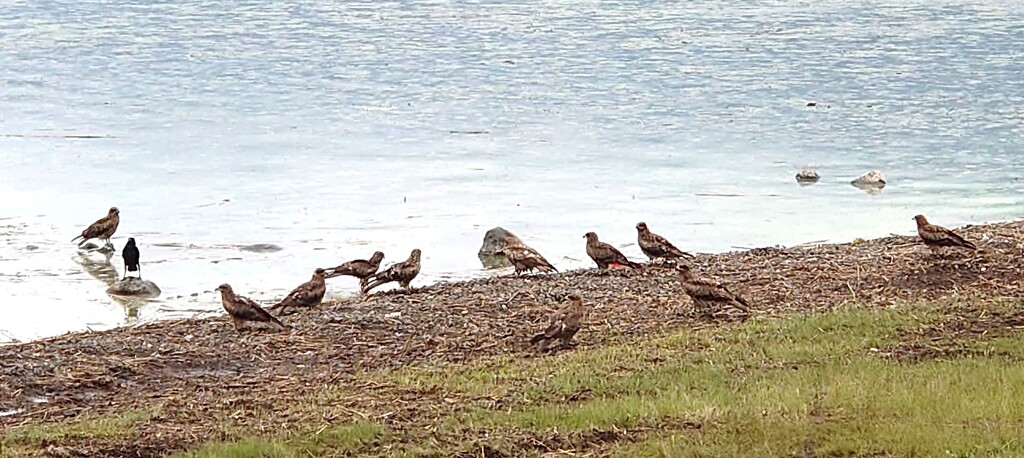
<point>196,370</point>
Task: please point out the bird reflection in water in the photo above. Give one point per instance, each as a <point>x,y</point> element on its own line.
<point>98,265</point>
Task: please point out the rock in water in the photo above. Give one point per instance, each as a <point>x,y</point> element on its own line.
<point>261,248</point>
<point>807,176</point>
<point>490,254</point>
<point>872,182</point>
<point>134,287</point>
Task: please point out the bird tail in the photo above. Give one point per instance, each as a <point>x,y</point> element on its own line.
<point>633,264</point>
<point>971,245</point>
<point>741,304</point>
<point>547,268</point>
<point>371,282</point>
<point>537,338</point>
<point>278,324</point>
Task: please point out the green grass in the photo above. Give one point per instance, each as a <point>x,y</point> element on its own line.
<point>817,385</point>
<point>26,440</point>
<point>336,440</point>
<point>780,387</point>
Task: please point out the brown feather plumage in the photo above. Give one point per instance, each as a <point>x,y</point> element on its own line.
<point>936,237</point>
<point>359,268</point>
<point>308,294</point>
<point>524,258</point>
<point>102,229</point>
<point>244,311</point>
<point>656,246</point>
<point>403,272</point>
<point>564,325</point>
<point>707,294</point>
<point>604,254</point>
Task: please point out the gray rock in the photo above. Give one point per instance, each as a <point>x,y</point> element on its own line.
<point>490,253</point>
<point>134,287</point>
<point>872,182</point>
<point>261,248</point>
<point>807,176</point>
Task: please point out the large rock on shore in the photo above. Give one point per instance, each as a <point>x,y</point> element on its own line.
<point>134,287</point>
<point>491,253</point>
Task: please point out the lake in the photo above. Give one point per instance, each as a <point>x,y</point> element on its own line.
<point>333,129</point>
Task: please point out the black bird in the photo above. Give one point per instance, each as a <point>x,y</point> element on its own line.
<point>130,253</point>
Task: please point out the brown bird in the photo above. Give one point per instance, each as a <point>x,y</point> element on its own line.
<point>707,294</point>
<point>359,268</point>
<point>403,272</point>
<point>656,246</point>
<point>102,229</point>
<point>563,326</point>
<point>308,294</point>
<point>525,258</point>
<point>937,237</point>
<point>604,254</point>
<point>245,311</point>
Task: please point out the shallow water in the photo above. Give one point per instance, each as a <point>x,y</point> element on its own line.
<point>333,130</point>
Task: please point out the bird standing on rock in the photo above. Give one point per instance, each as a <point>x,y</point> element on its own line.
<point>359,268</point>
<point>245,311</point>
<point>403,272</point>
<point>130,254</point>
<point>937,237</point>
<point>524,258</point>
<point>707,294</point>
<point>656,246</point>
<point>563,326</point>
<point>308,294</point>
<point>102,229</point>
<point>604,254</point>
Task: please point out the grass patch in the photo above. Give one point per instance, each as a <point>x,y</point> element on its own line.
<point>335,441</point>
<point>27,440</point>
<point>819,385</point>
<point>829,384</point>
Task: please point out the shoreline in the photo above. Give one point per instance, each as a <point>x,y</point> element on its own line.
<point>702,260</point>
<point>184,309</point>
<point>185,367</point>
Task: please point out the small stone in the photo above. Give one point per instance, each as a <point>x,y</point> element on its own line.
<point>261,248</point>
<point>807,176</point>
<point>872,182</point>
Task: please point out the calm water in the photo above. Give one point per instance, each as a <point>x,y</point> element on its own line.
<point>326,128</point>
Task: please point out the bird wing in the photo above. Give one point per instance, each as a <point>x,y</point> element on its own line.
<point>101,226</point>
<point>707,289</point>
<point>407,271</point>
<point>607,253</point>
<point>130,255</point>
<point>307,294</point>
<point>356,267</point>
<point>528,257</point>
<point>668,248</point>
<point>249,310</point>
<point>943,236</point>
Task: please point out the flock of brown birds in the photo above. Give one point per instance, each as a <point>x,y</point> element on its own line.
<point>707,295</point>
